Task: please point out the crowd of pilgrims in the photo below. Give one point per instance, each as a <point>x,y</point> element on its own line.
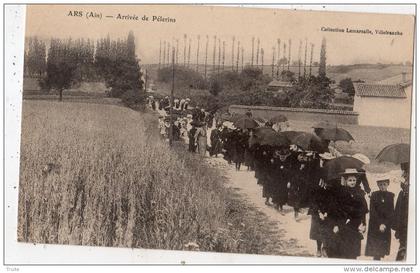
<point>297,178</point>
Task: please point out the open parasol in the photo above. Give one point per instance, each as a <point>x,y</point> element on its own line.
<point>274,139</point>
<point>395,153</point>
<point>310,142</point>
<point>260,133</point>
<point>292,134</point>
<point>334,134</point>
<point>335,167</point>
<point>245,123</point>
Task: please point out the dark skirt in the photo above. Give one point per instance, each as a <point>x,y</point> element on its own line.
<point>238,155</point>
<point>331,240</point>
<point>378,244</point>
<point>295,195</point>
<point>216,147</point>
<point>350,243</point>
<point>316,230</point>
<point>279,192</point>
<point>249,159</point>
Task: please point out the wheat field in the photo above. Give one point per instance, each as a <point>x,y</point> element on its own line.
<point>97,175</point>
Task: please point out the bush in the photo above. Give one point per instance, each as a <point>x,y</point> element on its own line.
<point>133,99</point>
<point>215,87</point>
<point>252,78</point>
<point>184,77</point>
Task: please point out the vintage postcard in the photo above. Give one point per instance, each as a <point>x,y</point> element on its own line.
<point>218,129</point>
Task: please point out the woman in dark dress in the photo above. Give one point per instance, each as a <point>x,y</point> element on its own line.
<point>263,155</point>
<point>380,220</point>
<point>318,195</point>
<point>227,136</point>
<point>354,204</point>
<point>299,184</point>
<point>240,142</point>
<point>192,147</point>
<point>279,176</point>
<point>332,217</point>
<point>216,141</point>
<point>249,151</point>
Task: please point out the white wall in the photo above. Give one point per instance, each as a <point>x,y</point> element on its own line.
<point>386,112</point>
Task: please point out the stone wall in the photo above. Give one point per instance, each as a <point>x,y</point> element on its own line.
<point>307,114</point>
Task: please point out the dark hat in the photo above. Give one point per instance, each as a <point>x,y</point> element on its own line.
<point>383,181</point>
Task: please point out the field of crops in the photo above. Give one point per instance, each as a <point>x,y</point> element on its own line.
<point>95,174</point>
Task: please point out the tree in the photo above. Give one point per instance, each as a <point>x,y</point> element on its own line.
<point>61,67</point>
<point>215,86</point>
<point>59,76</point>
<point>347,86</point>
<point>131,46</point>
<point>117,64</point>
<point>312,92</point>
<point>252,78</point>
<point>323,60</point>
<point>288,76</point>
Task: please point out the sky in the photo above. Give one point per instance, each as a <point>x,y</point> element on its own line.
<point>268,25</point>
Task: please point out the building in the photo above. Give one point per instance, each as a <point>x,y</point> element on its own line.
<point>386,103</point>
<point>279,86</point>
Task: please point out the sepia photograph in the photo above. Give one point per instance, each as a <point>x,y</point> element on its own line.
<point>236,130</point>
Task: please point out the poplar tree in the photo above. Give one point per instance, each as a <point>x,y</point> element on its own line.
<point>323,59</point>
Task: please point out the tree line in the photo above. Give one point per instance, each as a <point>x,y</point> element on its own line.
<point>249,86</point>
<point>71,61</point>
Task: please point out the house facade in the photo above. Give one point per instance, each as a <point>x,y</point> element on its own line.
<point>385,105</point>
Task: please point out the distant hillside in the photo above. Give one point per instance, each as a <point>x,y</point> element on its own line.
<point>364,72</point>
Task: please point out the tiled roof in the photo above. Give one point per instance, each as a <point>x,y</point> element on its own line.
<point>379,90</point>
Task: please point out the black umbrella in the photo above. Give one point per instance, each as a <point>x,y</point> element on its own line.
<point>292,134</point>
<point>275,139</point>
<point>334,134</point>
<point>279,118</point>
<point>245,123</point>
<point>310,142</point>
<point>335,167</point>
<point>395,153</point>
<point>260,133</point>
